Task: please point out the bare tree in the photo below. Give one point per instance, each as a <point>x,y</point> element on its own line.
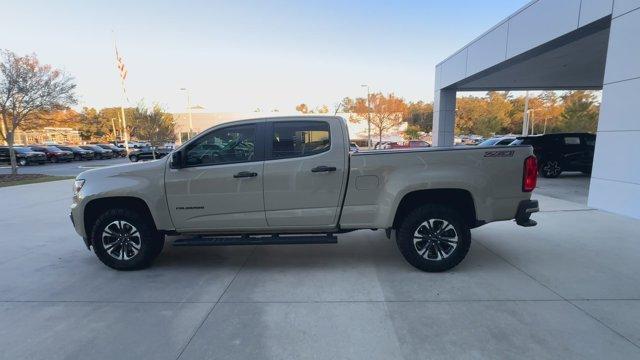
<point>29,89</point>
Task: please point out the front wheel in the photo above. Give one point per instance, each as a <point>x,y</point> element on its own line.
<point>22,162</point>
<point>433,238</point>
<point>125,240</point>
<point>133,158</point>
<point>550,169</point>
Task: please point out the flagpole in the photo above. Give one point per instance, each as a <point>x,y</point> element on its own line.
<point>125,133</point>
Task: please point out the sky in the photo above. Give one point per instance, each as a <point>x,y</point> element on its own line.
<point>238,56</point>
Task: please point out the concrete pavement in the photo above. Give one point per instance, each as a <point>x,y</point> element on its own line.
<point>566,289</point>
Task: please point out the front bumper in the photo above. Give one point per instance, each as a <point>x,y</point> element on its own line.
<point>78,223</point>
<point>525,209</point>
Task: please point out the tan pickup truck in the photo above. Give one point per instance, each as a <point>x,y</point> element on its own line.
<point>292,180</point>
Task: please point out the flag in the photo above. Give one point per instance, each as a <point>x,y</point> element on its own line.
<point>121,67</point>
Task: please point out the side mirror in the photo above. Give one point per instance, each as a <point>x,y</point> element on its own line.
<point>177,160</point>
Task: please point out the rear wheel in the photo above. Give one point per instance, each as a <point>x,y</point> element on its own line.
<point>125,240</point>
<point>77,157</point>
<point>550,168</point>
<point>133,158</point>
<point>433,238</point>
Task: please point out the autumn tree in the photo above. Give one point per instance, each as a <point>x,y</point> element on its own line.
<point>385,112</point>
<point>580,111</point>
<point>303,108</point>
<point>154,125</point>
<point>29,89</point>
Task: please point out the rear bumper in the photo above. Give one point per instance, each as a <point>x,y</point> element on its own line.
<point>525,209</point>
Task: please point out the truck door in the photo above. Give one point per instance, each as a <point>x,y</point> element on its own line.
<point>221,185</point>
<point>304,169</point>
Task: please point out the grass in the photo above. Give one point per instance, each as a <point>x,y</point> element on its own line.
<point>23,179</point>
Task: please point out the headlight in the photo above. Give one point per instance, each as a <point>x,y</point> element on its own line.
<point>77,186</point>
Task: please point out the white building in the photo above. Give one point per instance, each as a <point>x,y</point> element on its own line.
<point>203,121</point>
<point>563,44</point>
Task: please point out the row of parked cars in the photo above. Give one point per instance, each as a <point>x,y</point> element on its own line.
<point>40,154</point>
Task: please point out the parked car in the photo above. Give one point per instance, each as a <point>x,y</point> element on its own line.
<point>148,153</point>
<point>117,151</point>
<point>24,156</point>
<point>498,141</point>
<point>417,144</point>
<point>561,152</point>
<point>78,152</point>
<point>292,180</point>
<point>98,152</point>
<point>353,147</point>
<point>53,153</point>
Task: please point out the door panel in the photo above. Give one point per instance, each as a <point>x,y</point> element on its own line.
<point>304,173</point>
<point>209,194</point>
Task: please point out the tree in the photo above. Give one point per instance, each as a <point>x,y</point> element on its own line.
<point>155,125</point>
<point>386,112</point>
<point>412,132</point>
<point>322,109</point>
<point>420,115</point>
<point>580,111</point>
<point>303,108</point>
<point>27,90</point>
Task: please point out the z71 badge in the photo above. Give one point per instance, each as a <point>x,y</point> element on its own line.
<point>499,153</point>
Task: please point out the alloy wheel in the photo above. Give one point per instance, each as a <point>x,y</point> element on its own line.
<point>435,239</point>
<point>551,168</point>
<point>121,240</point>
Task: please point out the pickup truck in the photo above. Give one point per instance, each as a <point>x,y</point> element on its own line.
<point>290,180</point>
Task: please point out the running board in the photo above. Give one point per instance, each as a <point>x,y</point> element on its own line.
<point>257,240</point>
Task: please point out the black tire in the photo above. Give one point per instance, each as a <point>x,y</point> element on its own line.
<point>54,159</point>
<point>23,162</point>
<point>77,157</point>
<point>423,254</point>
<point>550,168</point>
<point>133,158</point>
<point>149,241</point>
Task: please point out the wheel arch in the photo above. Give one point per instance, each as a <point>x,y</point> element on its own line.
<point>96,207</point>
<point>459,199</point>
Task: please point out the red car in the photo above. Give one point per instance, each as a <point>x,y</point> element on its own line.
<point>53,153</point>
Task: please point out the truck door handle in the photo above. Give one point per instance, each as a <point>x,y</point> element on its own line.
<point>323,168</point>
<point>245,174</point>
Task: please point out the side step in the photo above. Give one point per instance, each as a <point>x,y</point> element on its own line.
<point>257,240</point>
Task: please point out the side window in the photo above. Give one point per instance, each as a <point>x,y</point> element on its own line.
<point>296,139</point>
<point>572,140</point>
<point>232,144</point>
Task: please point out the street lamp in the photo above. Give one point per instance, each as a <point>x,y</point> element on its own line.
<point>368,116</point>
<point>189,109</point>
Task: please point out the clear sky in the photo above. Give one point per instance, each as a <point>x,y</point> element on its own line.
<point>243,55</point>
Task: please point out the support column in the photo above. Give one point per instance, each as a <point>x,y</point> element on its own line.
<point>615,181</point>
<point>444,116</point>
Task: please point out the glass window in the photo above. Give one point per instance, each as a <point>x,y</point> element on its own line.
<point>223,146</point>
<point>572,140</point>
<point>295,139</point>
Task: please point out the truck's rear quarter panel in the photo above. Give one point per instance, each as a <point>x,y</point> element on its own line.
<point>379,180</point>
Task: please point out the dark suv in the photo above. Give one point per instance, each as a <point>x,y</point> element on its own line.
<point>561,152</point>
<point>24,156</point>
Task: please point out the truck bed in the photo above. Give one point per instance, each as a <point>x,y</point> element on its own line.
<point>378,181</point>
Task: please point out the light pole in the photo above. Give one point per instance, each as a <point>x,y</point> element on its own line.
<point>189,110</point>
<point>368,116</point>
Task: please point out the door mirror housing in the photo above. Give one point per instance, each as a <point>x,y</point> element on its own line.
<point>177,159</point>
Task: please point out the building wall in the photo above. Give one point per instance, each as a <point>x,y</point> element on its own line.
<point>615,182</point>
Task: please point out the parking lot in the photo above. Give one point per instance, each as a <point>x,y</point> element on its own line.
<point>72,168</point>
<point>552,291</point>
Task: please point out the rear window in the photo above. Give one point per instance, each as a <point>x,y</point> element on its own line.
<point>297,139</point>
<point>572,140</point>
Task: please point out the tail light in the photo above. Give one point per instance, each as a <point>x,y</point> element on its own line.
<point>530,175</point>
